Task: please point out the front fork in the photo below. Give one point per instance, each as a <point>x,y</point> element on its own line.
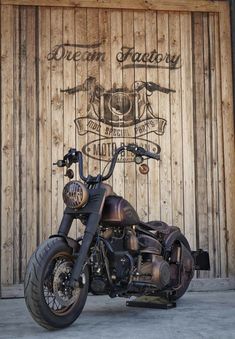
<point>91,227</point>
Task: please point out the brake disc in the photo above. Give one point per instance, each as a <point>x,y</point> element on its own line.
<point>65,295</point>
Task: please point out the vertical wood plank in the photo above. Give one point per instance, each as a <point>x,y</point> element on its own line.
<point>81,75</point>
<point>80,78</point>
<point>187,128</point>
<point>0,155</point>
<point>128,78</point>
<point>164,112</point>
<point>1,227</point>
<point>69,81</point>
<point>57,112</point>
<point>45,155</point>
<point>140,76</point>
<point>209,108</point>
<point>200,129</point>
<point>212,138</point>
<point>176,125</point>
<point>93,71</point>
<point>16,148</point>
<point>23,140</point>
<point>116,76</point>
<point>105,68</point>
<point>221,170</point>
<point>7,139</point>
<point>152,76</point>
<point>228,132</point>
<point>69,100</point>
<point>32,128</point>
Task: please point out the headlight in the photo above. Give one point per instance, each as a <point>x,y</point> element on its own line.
<point>75,194</point>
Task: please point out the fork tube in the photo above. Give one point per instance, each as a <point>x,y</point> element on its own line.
<point>65,224</point>
<point>89,233</point>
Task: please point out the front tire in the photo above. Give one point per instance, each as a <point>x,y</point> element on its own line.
<point>52,303</point>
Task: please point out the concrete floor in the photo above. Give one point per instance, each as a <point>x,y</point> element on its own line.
<point>197,315</point>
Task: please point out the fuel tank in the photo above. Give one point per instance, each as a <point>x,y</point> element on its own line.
<point>118,212</point>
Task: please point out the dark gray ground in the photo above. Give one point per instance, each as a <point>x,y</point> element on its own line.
<point>197,315</point>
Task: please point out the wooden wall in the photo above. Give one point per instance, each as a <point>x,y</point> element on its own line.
<point>193,184</point>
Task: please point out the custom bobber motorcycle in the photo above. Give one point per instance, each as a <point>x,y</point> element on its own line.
<point>118,255</point>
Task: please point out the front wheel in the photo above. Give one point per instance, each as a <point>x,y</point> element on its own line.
<point>51,301</point>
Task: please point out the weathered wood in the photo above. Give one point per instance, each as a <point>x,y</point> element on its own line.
<point>172,5</point>
<point>32,136</point>
<point>45,156</point>
<point>1,228</point>
<point>176,126</point>
<point>81,76</point>
<point>17,154</point>
<point>228,132</point>
<point>105,74</point>
<point>12,291</point>
<point>197,165</point>
<point>93,71</point>
<point>187,129</point>
<point>154,200</point>
<point>116,81</point>
<point>57,113</point>
<point>7,146</point>
<point>201,97</point>
<point>220,141</point>
<point>128,78</point>
<point>212,147</point>
<point>140,76</point>
<point>23,141</point>
<point>69,80</point>
<point>164,112</point>
<point>213,235</point>
<point>81,96</point>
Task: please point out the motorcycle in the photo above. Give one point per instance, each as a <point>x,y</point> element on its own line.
<point>118,255</point>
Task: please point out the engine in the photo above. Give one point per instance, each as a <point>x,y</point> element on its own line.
<point>152,269</point>
<point>134,258</point>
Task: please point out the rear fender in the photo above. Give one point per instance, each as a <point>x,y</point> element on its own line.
<point>174,236</point>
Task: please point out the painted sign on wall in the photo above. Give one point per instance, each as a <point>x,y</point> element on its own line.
<point>117,113</point>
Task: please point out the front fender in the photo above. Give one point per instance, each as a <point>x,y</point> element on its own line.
<point>73,244</point>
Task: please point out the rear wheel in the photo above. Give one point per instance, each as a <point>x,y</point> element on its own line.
<point>51,301</point>
<point>187,269</point>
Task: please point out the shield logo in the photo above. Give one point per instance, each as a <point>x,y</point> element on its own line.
<point>119,107</point>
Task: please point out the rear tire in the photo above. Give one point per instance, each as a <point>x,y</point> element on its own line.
<point>51,302</point>
<point>186,279</point>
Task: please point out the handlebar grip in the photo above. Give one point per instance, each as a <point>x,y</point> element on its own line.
<point>153,155</point>
<point>137,150</point>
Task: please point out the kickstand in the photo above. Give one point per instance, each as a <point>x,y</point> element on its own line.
<point>158,302</point>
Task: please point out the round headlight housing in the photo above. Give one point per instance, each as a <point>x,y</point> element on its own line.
<point>75,194</point>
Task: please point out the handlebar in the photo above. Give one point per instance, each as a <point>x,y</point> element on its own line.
<point>74,156</point>
<point>137,150</point>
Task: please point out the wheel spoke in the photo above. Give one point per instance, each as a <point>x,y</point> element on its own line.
<point>57,294</point>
